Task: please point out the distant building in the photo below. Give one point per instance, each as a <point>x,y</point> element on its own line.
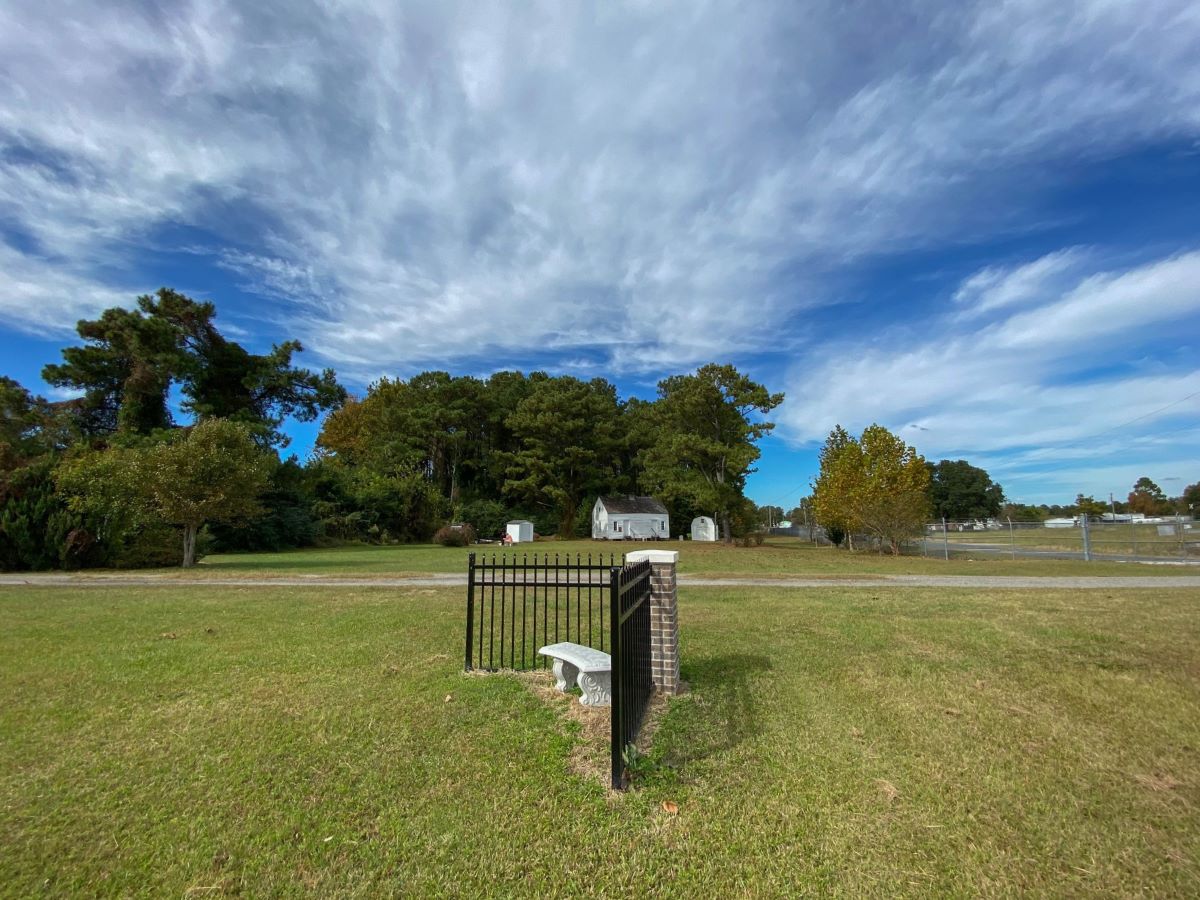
<point>630,519</point>
<point>518,531</point>
<point>1061,523</point>
<point>704,529</point>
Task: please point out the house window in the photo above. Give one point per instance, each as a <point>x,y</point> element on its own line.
<point>617,527</point>
<point>662,526</point>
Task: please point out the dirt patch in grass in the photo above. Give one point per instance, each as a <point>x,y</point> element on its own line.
<point>591,757</point>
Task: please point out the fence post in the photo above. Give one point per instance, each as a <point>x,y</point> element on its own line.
<point>470,608</point>
<point>1087,538</point>
<point>664,618</point>
<point>945,539</point>
<point>618,695</point>
<point>1012,539</point>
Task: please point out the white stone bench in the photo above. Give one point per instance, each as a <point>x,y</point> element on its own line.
<point>591,668</point>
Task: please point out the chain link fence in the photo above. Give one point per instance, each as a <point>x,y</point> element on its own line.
<point>1164,539</point>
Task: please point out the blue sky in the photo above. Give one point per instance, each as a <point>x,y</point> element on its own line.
<point>975,223</point>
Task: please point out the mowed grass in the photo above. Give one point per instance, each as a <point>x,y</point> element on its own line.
<point>206,741</point>
<point>778,557</point>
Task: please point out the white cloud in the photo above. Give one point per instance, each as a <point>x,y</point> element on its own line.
<point>997,287</point>
<point>429,182</point>
<point>44,298</point>
<point>1076,379</point>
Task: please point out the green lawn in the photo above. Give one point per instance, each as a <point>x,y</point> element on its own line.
<point>205,741</point>
<point>778,557</point>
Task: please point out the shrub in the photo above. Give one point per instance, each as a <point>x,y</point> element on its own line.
<point>462,536</point>
<point>753,539</point>
<point>487,517</point>
<point>836,534</point>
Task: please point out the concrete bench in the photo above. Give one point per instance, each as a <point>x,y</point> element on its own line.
<point>591,668</point>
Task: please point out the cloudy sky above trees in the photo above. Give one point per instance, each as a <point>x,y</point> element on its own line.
<point>975,223</point>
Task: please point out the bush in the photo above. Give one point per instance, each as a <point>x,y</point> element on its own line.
<point>835,534</point>
<point>39,531</point>
<point>448,536</point>
<point>152,547</point>
<point>487,516</point>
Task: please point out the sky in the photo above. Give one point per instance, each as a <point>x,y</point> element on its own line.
<point>977,224</point>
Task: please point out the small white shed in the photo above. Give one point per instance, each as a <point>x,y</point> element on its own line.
<point>630,519</point>
<point>518,531</point>
<point>704,529</point>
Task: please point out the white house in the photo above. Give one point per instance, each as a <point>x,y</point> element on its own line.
<point>518,531</point>
<point>630,519</point>
<point>704,529</point>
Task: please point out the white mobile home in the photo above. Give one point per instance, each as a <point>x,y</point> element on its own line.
<point>704,529</point>
<point>518,531</point>
<point>1061,523</point>
<point>630,519</point>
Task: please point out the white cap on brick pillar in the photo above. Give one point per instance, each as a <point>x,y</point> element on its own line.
<point>656,557</point>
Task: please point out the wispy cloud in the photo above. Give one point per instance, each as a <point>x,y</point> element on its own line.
<point>430,180</point>
<point>626,188</point>
<point>1077,379</point>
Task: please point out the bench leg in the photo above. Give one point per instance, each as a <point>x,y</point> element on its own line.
<point>564,675</point>
<point>597,688</point>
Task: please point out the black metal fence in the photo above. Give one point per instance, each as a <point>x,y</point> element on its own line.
<point>632,680</point>
<point>517,604</point>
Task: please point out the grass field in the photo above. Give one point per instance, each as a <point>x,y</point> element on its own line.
<point>780,557</point>
<point>206,741</point>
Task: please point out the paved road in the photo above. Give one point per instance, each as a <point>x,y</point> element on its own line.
<point>1162,582</point>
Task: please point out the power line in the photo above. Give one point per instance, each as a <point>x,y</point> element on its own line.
<point>1118,427</point>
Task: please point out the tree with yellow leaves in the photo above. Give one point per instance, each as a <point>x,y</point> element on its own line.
<point>875,484</point>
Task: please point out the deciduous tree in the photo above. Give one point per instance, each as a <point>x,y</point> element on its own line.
<point>960,491</point>
<point>1147,498</point>
<point>877,484</point>
<point>212,472</point>
<point>837,479</point>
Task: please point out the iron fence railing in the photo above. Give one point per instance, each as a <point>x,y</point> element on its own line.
<point>516,604</point>
<point>632,679</point>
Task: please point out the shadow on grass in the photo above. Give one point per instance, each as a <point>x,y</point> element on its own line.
<point>721,711</point>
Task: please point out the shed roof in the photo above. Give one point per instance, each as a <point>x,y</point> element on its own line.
<point>626,505</point>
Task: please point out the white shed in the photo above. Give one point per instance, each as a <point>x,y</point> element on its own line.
<point>518,531</point>
<point>630,519</point>
<point>704,529</point>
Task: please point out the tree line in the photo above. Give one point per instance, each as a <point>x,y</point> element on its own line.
<point>877,486</point>
<point>112,479</point>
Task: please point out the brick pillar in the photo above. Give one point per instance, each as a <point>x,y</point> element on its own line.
<point>664,619</point>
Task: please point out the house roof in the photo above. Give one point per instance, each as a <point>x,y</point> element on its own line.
<point>626,505</point>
